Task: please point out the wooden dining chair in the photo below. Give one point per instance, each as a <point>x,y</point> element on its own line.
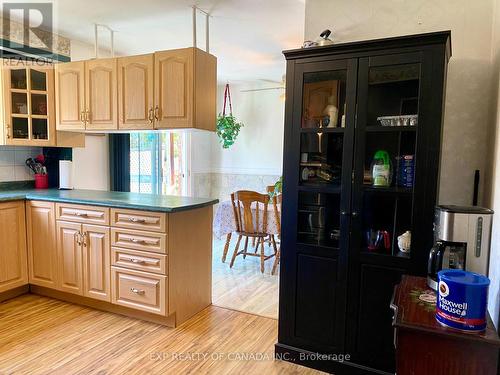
<point>250,209</point>
<point>277,203</point>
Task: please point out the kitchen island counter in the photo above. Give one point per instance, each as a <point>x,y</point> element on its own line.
<point>147,202</point>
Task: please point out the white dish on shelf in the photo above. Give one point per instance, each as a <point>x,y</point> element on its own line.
<point>403,120</point>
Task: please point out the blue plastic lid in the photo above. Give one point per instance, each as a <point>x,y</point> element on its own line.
<point>464,277</point>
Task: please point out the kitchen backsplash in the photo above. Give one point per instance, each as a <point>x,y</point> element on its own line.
<point>12,167</point>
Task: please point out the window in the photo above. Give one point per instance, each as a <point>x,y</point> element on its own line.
<point>159,163</point>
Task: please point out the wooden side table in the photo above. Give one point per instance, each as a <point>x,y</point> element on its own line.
<point>423,346</point>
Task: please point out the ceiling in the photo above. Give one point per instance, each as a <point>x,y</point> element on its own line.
<point>247,36</point>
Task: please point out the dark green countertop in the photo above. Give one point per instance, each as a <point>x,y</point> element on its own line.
<point>147,202</point>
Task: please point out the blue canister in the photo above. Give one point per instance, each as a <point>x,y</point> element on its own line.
<point>461,300</point>
<point>405,170</point>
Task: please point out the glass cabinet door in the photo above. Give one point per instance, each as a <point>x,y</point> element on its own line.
<point>28,111</point>
<point>388,116</point>
<point>317,190</point>
<point>324,141</point>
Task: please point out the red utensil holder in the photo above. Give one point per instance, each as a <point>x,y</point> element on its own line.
<point>41,181</point>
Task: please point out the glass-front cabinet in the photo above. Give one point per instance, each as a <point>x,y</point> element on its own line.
<point>361,156</point>
<point>29,101</point>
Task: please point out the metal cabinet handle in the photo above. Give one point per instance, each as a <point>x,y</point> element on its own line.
<point>8,131</point>
<point>137,261</point>
<point>87,116</point>
<point>81,214</point>
<point>82,117</point>
<point>157,113</point>
<point>151,116</point>
<point>136,220</point>
<point>354,214</point>
<point>78,238</point>
<point>85,237</point>
<point>135,240</point>
<point>137,291</point>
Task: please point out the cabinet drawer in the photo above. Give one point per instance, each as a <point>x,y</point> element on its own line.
<point>137,240</point>
<point>82,214</point>
<point>142,220</point>
<point>139,290</point>
<point>139,260</point>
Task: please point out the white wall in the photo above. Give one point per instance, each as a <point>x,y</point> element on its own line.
<point>494,189</point>
<point>467,111</point>
<point>90,164</point>
<point>259,147</point>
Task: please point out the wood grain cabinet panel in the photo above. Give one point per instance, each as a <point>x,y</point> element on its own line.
<point>135,92</point>
<point>139,240</point>
<point>141,220</point>
<point>82,213</point>
<point>96,262</point>
<point>42,248</point>
<point>69,257</point>
<point>139,290</point>
<point>13,262</point>
<point>174,88</point>
<point>139,260</point>
<point>100,94</point>
<point>70,95</point>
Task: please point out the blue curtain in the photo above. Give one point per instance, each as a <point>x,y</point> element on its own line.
<point>119,161</point>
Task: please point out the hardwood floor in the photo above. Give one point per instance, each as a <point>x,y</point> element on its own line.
<point>244,287</point>
<point>39,335</point>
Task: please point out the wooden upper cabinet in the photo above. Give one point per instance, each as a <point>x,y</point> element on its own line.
<point>135,92</point>
<point>174,88</point>
<point>100,94</point>
<point>28,104</point>
<point>96,262</point>
<point>70,98</point>
<point>69,257</point>
<point>165,90</point>
<point>185,89</point>
<point>13,265</point>
<point>42,249</point>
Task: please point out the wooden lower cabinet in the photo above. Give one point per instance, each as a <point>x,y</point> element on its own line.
<point>162,275</point>
<point>13,262</point>
<point>69,253</point>
<point>140,290</point>
<point>96,262</point>
<point>42,248</point>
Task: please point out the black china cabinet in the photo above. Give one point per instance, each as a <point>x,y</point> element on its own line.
<point>363,125</point>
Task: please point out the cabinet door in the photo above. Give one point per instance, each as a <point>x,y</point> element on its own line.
<point>100,94</point>
<point>42,248</point>
<point>393,192</point>
<point>174,88</point>
<point>371,335</point>
<point>319,134</point>
<point>70,96</point>
<point>29,105</point>
<point>96,262</point>
<point>135,92</point>
<point>13,266</point>
<point>69,257</point>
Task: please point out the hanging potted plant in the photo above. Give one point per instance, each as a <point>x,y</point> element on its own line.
<point>227,127</point>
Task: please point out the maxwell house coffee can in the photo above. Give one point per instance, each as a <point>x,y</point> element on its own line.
<point>461,300</point>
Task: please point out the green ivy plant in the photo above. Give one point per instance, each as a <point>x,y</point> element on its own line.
<point>227,129</point>
<point>278,188</point>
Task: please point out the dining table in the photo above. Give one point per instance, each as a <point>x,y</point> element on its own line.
<point>225,225</point>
